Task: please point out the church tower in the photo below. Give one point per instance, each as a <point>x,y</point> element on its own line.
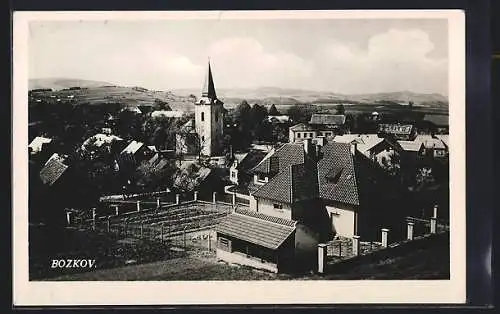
<point>209,118</point>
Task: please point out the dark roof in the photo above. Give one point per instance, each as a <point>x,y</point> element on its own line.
<point>337,119</point>
<point>52,171</point>
<point>292,184</point>
<point>252,158</point>
<point>286,155</point>
<point>336,174</point>
<point>278,220</point>
<point>262,230</point>
<point>437,119</point>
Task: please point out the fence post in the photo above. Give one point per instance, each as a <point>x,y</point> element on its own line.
<point>433,224</point>
<point>161,233</point>
<point>138,206</point>
<point>93,218</point>
<point>177,199</point>
<point>109,226</point>
<point>117,211</point>
<point>234,199</point>
<point>410,230</point>
<point>158,205</point>
<point>141,230</point>
<point>214,197</point>
<point>195,198</point>
<point>340,249</point>
<point>355,245</point>
<point>435,214</point>
<point>68,217</point>
<point>322,254</point>
<point>384,237</point>
<point>209,241</point>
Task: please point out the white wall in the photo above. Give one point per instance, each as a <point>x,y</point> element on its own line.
<point>233,175</point>
<point>266,207</point>
<point>343,220</point>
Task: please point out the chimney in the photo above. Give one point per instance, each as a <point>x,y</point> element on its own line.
<point>308,146</point>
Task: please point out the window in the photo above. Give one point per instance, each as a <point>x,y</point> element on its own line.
<point>298,135</point>
<point>278,207</point>
<point>311,134</point>
<point>202,116</point>
<point>233,174</point>
<point>203,139</point>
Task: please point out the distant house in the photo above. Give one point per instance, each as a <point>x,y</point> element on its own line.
<point>278,119</point>
<point>405,132</point>
<point>38,143</point>
<point>437,123</point>
<point>433,146</point>
<point>376,148</point>
<point>415,148</point>
<point>100,139</point>
<point>53,170</point>
<point>187,141</point>
<point>239,171</point>
<point>135,152</point>
<point>326,125</point>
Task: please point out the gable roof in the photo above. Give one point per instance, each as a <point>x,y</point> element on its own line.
<point>249,160</point>
<point>52,171</point>
<point>37,143</point>
<point>338,160</point>
<point>437,119</point>
<point>288,154</point>
<point>410,146</point>
<point>336,119</point>
<point>301,127</point>
<point>132,148</point>
<point>292,184</point>
<point>263,230</point>
<point>365,142</point>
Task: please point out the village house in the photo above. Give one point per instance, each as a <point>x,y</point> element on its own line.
<point>239,171</point>
<point>405,132</point>
<point>38,144</point>
<point>326,125</point>
<point>135,153</point>
<point>433,146</point>
<point>378,149</point>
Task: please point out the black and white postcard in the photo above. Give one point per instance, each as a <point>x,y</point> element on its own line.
<point>235,157</point>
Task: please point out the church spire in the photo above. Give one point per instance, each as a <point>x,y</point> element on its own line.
<point>208,87</point>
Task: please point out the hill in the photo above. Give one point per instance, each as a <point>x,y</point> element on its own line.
<point>62,83</point>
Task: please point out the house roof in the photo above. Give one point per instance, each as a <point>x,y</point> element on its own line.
<point>280,119</point>
<point>397,129</point>
<point>249,160</point>
<point>337,119</point>
<point>38,142</point>
<point>336,174</point>
<point>365,142</point>
<point>301,127</point>
<point>261,230</point>
<point>292,184</point>
<point>100,139</point>
<point>411,146</point>
<point>445,138</point>
<point>286,155</point>
<point>429,141</point>
<point>132,148</point>
<point>52,171</point>
<point>437,119</point>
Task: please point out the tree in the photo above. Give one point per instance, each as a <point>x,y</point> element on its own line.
<point>273,111</point>
<point>299,113</point>
<point>340,109</point>
<point>161,105</point>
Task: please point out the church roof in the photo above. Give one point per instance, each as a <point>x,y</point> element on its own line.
<point>208,86</point>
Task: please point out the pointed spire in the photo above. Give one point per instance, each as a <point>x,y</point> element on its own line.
<point>208,87</point>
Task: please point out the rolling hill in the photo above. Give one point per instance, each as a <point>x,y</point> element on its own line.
<point>99,92</point>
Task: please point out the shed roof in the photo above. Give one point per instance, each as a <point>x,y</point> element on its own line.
<point>261,230</point>
<point>52,171</point>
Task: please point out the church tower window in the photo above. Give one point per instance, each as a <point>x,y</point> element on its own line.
<point>202,116</point>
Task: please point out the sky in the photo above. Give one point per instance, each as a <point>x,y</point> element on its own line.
<point>350,56</point>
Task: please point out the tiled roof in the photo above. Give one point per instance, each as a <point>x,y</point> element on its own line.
<point>337,159</point>
<point>278,220</point>
<point>286,155</point>
<point>132,148</point>
<point>249,160</point>
<point>337,119</point>
<point>301,127</point>
<point>295,183</point>
<point>437,119</point>
<point>412,146</point>
<point>52,171</point>
<point>255,230</point>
